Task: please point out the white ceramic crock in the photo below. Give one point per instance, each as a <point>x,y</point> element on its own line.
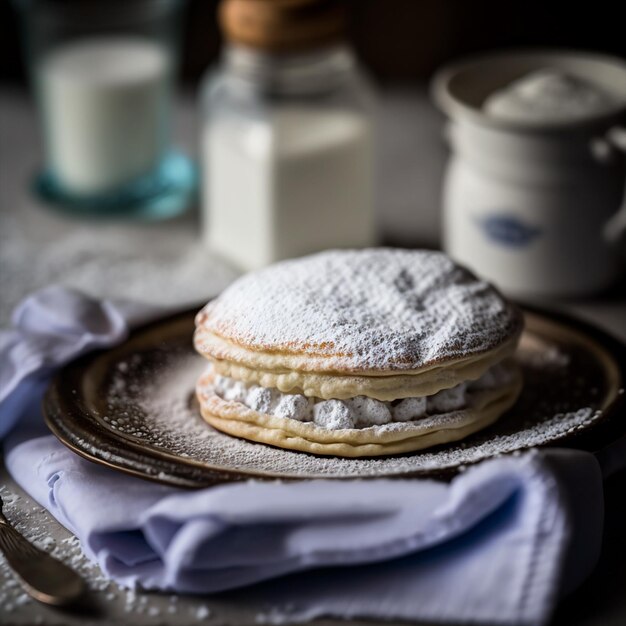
<point>534,207</point>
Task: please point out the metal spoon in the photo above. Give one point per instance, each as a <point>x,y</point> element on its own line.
<point>42,576</point>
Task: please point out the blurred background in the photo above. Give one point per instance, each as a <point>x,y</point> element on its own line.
<point>399,41</point>
<point>400,44</point>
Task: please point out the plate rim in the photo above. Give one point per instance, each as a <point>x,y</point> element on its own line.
<point>59,415</point>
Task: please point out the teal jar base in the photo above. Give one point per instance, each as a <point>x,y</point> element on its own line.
<point>164,194</point>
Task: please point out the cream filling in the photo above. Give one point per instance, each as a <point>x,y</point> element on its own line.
<point>357,412</point>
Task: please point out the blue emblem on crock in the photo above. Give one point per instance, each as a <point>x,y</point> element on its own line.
<point>508,230</point>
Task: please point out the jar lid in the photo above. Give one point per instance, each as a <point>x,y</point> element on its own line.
<point>282,25</point>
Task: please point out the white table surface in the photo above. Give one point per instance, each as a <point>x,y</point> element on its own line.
<point>164,263</point>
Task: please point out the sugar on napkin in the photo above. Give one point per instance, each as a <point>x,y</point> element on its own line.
<point>500,543</point>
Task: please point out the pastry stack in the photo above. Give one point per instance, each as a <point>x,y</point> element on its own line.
<point>358,353</point>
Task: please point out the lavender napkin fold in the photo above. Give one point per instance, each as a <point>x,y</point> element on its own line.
<point>49,329</point>
<point>499,544</point>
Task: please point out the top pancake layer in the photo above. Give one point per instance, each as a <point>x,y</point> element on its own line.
<point>377,310</point>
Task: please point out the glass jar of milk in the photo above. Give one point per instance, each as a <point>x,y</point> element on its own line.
<point>286,137</point>
<point>103,76</point>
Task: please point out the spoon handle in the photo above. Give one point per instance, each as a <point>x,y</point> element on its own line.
<point>42,576</point>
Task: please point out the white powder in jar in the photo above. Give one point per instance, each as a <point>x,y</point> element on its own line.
<point>548,95</point>
<point>294,182</point>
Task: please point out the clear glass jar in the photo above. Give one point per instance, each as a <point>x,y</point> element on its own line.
<point>286,154</point>
<point>103,77</point>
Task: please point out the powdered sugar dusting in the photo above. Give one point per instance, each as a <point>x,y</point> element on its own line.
<point>153,399</point>
<point>370,309</point>
<point>115,260</point>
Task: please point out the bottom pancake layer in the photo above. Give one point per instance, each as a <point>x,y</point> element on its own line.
<point>234,418</point>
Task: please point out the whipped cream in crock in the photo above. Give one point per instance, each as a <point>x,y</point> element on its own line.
<point>548,95</point>
<point>357,412</point>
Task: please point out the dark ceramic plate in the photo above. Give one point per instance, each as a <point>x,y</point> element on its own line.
<point>132,408</point>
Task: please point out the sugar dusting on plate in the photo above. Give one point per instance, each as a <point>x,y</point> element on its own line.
<point>151,398</point>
